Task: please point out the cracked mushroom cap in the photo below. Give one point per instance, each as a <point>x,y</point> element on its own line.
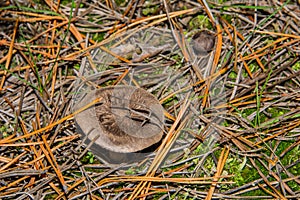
<point>127,119</point>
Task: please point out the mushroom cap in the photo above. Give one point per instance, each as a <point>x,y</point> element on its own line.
<point>203,42</point>
<point>127,119</point>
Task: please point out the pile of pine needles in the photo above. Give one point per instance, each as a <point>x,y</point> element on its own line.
<point>243,112</point>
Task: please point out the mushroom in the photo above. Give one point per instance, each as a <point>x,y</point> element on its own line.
<point>203,42</point>
<point>127,119</point>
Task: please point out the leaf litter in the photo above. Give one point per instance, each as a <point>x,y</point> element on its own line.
<point>232,117</point>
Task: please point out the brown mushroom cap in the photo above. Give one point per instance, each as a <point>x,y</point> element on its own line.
<point>127,119</point>
<point>203,42</point>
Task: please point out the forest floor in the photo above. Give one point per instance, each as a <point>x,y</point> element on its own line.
<point>227,74</point>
